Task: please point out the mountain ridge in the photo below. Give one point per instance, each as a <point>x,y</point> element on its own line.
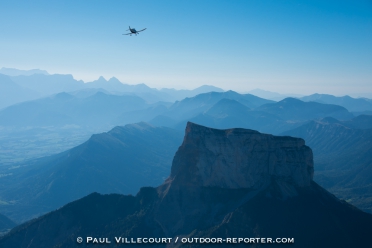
<point>115,159</point>
<point>350,103</point>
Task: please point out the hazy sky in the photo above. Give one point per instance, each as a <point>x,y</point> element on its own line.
<point>284,46</point>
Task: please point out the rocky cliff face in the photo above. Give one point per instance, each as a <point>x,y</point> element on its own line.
<point>241,158</point>
<point>237,163</point>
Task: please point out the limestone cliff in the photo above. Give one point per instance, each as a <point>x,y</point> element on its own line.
<point>230,166</point>
<point>241,158</point>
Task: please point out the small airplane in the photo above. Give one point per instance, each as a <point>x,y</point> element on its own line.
<point>133,31</point>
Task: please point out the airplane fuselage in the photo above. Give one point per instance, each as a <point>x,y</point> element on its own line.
<point>133,31</point>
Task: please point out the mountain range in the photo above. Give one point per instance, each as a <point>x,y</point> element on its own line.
<point>272,95</point>
<point>17,72</point>
<point>69,118</point>
<point>342,156</point>
<point>119,161</point>
<point>297,110</point>
<point>18,86</point>
<point>53,124</point>
<point>230,109</point>
<point>64,109</point>
<point>12,93</point>
<point>56,114</point>
<point>223,184</point>
<point>352,104</point>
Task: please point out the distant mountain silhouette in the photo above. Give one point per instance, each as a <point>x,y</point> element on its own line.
<point>70,117</point>
<point>16,72</point>
<point>119,161</point>
<point>191,107</point>
<point>11,93</point>
<point>49,84</point>
<point>227,106</point>
<point>114,85</point>
<point>223,184</point>
<point>38,83</point>
<point>181,94</point>
<point>231,114</point>
<point>360,122</point>
<point>294,109</point>
<point>271,95</point>
<point>61,109</point>
<point>342,155</point>
<point>149,94</point>
<point>352,104</point>
<point>230,109</point>
<point>84,93</point>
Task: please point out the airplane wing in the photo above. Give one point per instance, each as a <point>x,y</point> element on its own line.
<point>141,30</point>
<point>127,34</point>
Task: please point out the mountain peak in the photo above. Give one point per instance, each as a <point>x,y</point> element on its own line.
<point>114,80</point>
<point>241,158</point>
<point>290,100</point>
<point>101,78</point>
<point>140,126</point>
<point>63,96</point>
<point>208,88</point>
<point>330,120</point>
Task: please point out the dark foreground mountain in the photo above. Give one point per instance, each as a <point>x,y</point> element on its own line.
<point>342,156</point>
<point>233,183</point>
<point>119,161</point>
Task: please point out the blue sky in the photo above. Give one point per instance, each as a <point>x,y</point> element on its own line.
<point>284,46</point>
